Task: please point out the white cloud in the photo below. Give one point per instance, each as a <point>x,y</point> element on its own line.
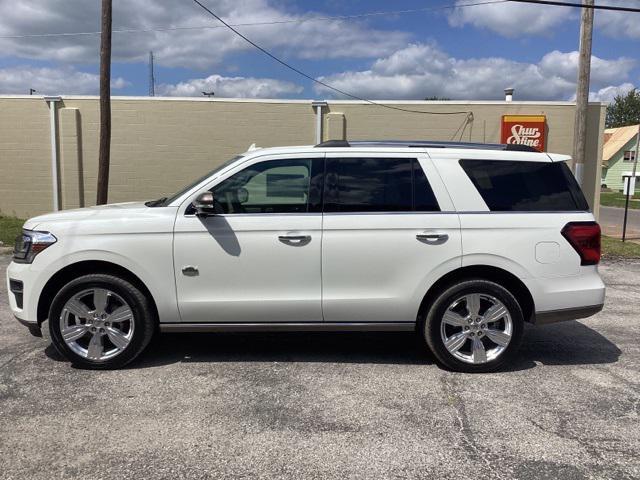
<point>565,65</point>
<point>18,80</point>
<point>232,87</point>
<point>515,19</point>
<point>422,70</point>
<point>608,94</point>
<point>193,48</point>
<point>512,19</point>
<point>618,24</point>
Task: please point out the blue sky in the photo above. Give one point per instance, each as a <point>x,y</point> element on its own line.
<point>464,52</point>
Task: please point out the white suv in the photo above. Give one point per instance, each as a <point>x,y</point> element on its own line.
<point>460,242</point>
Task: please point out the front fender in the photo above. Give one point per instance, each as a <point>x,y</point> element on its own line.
<point>154,269</point>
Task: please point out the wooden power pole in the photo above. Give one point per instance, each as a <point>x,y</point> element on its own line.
<point>582,93</point>
<point>105,104</point>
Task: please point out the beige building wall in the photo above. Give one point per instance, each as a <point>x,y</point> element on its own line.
<point>25,157</point>
<point>160,144</point>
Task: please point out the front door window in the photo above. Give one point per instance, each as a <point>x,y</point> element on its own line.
<point>274,186</point>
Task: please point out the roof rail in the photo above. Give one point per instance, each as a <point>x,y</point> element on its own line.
<point>426,144</point>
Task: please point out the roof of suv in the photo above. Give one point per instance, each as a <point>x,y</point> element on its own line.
<point>515,152</point>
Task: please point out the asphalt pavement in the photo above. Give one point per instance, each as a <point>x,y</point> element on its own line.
<point>611,220</point>
<point>347,406</point>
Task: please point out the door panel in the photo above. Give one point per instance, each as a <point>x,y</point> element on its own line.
<point>375,269</point>
<point>253,267</point>
<point>377,266</point>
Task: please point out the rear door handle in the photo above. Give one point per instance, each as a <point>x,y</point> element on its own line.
<point>433,237</point>
<point>294,239</point>
<point>190,270</point>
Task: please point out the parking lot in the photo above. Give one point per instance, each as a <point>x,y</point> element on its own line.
<point>367,406</point>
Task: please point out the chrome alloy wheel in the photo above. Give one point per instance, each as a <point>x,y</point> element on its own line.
<point>97,324</point>
<point>476,328</point>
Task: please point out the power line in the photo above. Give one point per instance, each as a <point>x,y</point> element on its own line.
<point>580,5</point>
<point>255,24</point>
<point>309,77</point>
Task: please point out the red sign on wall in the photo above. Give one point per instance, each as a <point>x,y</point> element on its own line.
<point>524,130</point>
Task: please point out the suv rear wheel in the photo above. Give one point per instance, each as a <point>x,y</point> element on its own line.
<point>100,321</point>
<point>474,326</point>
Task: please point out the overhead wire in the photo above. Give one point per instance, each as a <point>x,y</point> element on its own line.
<point>554,3</point>
<point>315,80</point>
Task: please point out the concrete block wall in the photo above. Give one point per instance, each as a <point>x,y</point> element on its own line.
<point>25,157</point>
<point>160,144</point>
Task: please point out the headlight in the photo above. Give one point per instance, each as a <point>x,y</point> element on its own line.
<point>30,244</point>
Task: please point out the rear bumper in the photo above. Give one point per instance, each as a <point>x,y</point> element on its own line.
<point>562,315</point>
<point>567,298</point>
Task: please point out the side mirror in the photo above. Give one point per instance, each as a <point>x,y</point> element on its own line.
<point>205,204</point>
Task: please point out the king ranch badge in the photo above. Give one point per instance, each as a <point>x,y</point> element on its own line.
<point>524,130</point>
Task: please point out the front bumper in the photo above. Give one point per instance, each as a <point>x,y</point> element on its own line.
<point>22,289</point>
<point>34,328</point>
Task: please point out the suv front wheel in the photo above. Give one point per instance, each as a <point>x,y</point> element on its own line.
<point>100,321</point>
<point>474,326</point>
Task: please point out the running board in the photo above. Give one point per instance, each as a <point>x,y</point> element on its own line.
<point>289,327</point>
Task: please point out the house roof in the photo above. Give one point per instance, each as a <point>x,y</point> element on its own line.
<point>615,139</point>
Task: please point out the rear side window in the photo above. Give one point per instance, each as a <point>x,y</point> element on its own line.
<point>377,185</point>
<point>508,186</point>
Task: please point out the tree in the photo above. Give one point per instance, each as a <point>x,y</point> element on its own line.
<point>105,104</point>
<point>624,110</point>
<point>435,98</point>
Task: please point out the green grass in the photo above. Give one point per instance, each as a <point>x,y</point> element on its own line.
<point>10,227</point>
<point>615,248</point>
<point>617,199</point>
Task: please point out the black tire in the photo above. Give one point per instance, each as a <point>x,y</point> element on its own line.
<point>434,318</point>
<point>143,318</point>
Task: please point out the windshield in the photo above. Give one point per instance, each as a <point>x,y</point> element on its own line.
<point>164,201</point>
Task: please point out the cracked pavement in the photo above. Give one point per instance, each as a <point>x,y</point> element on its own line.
<point>330,405</point>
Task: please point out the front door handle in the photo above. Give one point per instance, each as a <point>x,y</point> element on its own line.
<point>295,239</point>
<point>433,237</point>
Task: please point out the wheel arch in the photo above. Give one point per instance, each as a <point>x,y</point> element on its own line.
<point>69,272</point>
<point>484,272</point>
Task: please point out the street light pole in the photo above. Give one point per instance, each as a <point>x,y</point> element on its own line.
<point>582,92</point>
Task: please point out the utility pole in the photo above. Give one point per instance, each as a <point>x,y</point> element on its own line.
<point>631,183</point>
<point>105,103</point>
<point>152,77</point>
<point>582,93</point>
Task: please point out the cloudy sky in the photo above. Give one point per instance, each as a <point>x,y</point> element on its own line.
<point>444,48</point>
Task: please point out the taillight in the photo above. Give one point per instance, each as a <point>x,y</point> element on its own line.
<point>584,237</point>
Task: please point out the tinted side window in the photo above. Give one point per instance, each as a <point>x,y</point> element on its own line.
<point>525,186</point>
<point>376,185</point>
<point>273,186</point>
